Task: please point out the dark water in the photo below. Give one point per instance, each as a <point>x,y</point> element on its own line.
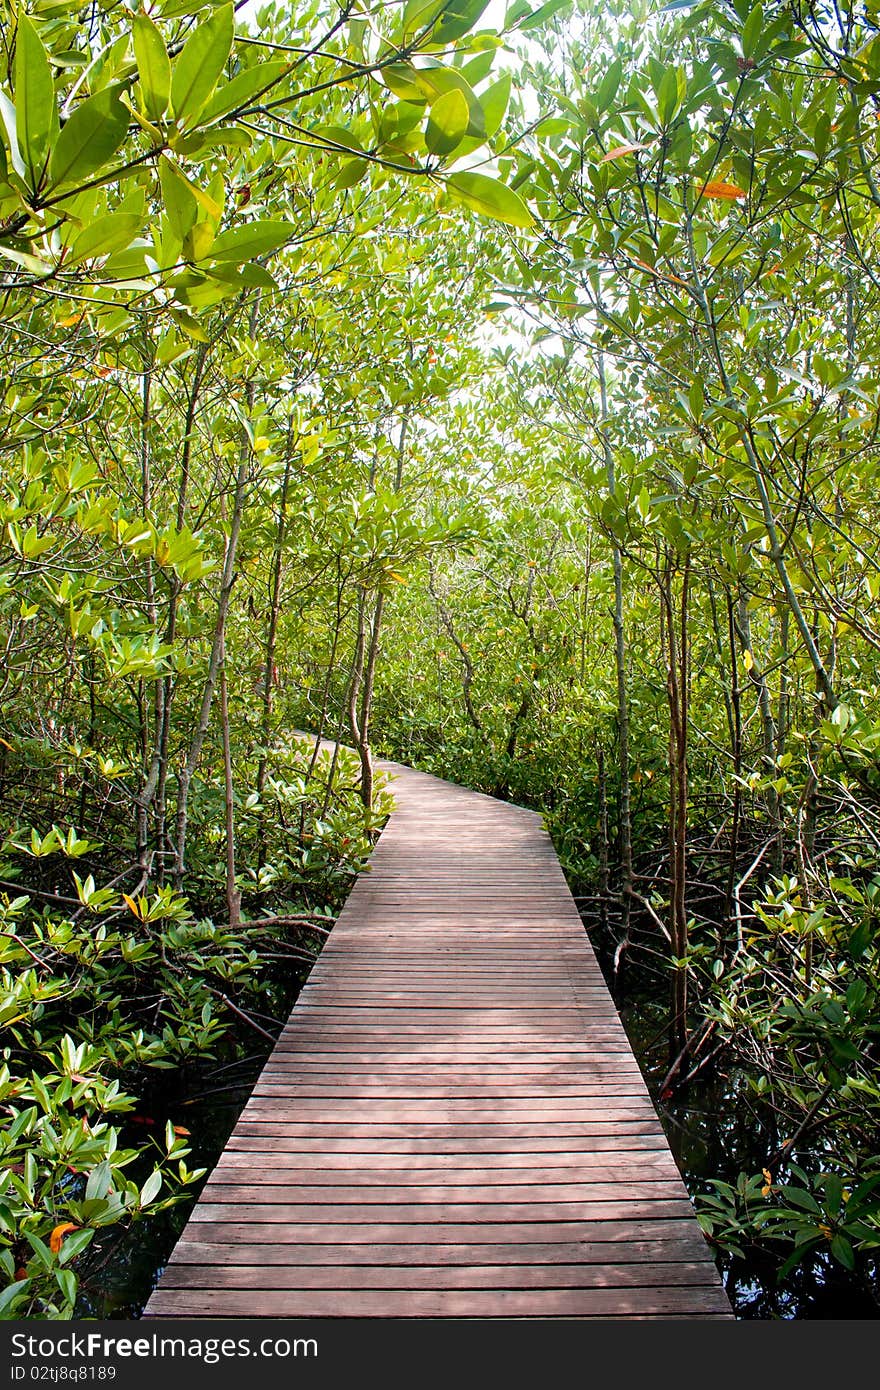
<point>121,1268</point>
<point>716,1130</point>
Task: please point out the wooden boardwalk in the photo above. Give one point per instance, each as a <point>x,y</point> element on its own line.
<point>452,1123</point>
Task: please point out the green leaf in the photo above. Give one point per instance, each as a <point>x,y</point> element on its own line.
<point>609,85</point>
<point>457,19</point>
<point>752,32</point>
<point>150,1189</point>
<point>258,277</point>
<point>418,14</point>
<point>105,235</point>
<point>448,123</point>
<point>12,1294</point>
<point>181,207</point>
<point>191,327</point>
<point>198,241</point>
<point>75,1244</point>
<point>337,135</point>
<point>494,102</point>
<point>843,1251</point>
<point>490,199</point>
<point>154,66</point>
<point>799,1197</point>
<point>67,1283</point>
<point>845,1050</point>
<point>198,67</point>
<point>434,82</point>
<point>36,115</point>
<point>40,1249</point>
<point>99,1182</point>
<point>351,172</point>
<point>10,122</point>
<point>540,16</point>
<point>183,199</point>
<point>89,138</point>
<point>254,239</point>
<point>400,78</point>
<point>668,95</point>
<point>34,264</point>
<point>242,90</point>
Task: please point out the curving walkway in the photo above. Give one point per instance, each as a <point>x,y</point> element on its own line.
<point>452,1123</point>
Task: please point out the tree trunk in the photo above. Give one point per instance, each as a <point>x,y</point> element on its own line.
<point>272,630</point>
<point>624,811</point>
<point>217,647</point>
<point>233,897</point>
<point>678,678</point>
<point>162,837</point>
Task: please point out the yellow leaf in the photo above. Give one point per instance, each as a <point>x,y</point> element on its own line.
<point>748,659</point>
<point>7,745</point>
<point>132,905</point>
<point>730,191</point>
<point>58,1235</point>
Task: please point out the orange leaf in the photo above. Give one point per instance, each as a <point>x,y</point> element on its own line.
<point>660,273</point>
<point>58,1235</point>
<point>179,1129</point>
<point>620,150</point>
<point>730,191</point>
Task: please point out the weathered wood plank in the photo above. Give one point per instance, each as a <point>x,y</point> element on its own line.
<point>443,1303</point>
<point>506,1168</point>
<point>576,1275</point>
<point>673,1237</point>
<point>624,1262</point>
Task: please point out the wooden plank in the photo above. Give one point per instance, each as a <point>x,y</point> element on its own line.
<point>443,1303</point>
<point>343,1192</point>
<point>545,1093</point>
<point>358,1209</point>
<point>576,1275</point>
<point>452,1123</point>
<point>409,1169</point>
<point>617,1263</point>
<point>276,1141</point>
<point>679,1235</point>
<point>432,1110</point>
<point>435,1125</point>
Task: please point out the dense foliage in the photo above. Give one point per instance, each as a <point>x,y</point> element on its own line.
<point>572,501</point>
